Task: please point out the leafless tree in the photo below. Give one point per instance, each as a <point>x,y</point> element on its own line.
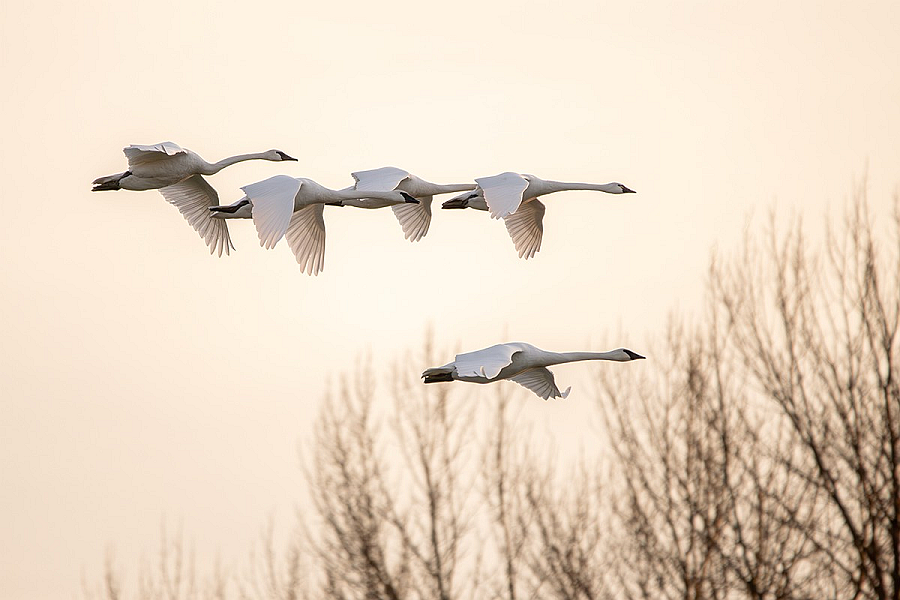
<point>704,497</point>
<point>760,459</point>
<point>817,337</point>
<point>359,555</point>
<point>173,577</point>
<point>394,501</point>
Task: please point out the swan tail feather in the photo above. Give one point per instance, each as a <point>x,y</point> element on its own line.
<point>230,209</point>
<point>437,375</point>
<point>455,203</point>
<point>109,182</point>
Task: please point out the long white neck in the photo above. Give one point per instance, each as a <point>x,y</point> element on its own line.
<point>211,169</point>
<point>564,186</point>
<point>453,187</point>
<point>558,358</point>
<point>353,194</point>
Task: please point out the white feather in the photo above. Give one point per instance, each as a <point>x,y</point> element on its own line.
<point>306,238</point>
<point>414,218</point>
<point>503,192</point>
<point>526,227</point>
<point>193,197</point>
<point>384,179</point>
<point>138,154</point>
<point>540,381</point>
<point>487,362</point>
<point>273,205</point>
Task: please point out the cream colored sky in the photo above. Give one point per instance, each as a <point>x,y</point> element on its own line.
<point>142,378</point>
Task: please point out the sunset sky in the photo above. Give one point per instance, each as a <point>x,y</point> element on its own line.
<point>142,379</point>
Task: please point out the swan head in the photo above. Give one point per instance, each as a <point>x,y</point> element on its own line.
<point>624,355</point>
<point>278,155</point>
<point>618,188</point>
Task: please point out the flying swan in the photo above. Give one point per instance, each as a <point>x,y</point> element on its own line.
<point>291,207</point>
<point>414,218</point>
<point>513,198</point>
<point>178,175</point>
<point>519,362</point>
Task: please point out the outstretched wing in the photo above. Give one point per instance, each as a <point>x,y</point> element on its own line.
<point>540,381</point>
<point>503,192</point>
<point>306,237</point>
<point>526,227</point>
<point>193,197</point>
<point>487,362</point>
<point>384,179</point>
<point>141,155</point>
<point>273,205</point>
<point>414,218</point>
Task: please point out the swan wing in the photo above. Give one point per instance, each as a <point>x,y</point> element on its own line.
<point>540,381</point>
<point>273,205</point>
<point>141,155</point>
<point>306,237</point>
<point>526,228</point>
<point>193,197</point>
<point>503,192</point>
<point>414,218</point>
<point>487,362</point>
<point>384,179</point>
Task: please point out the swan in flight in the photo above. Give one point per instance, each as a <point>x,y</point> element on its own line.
<point>291,207</point>
<point>178,175</point>
<point>519,362</point>
<point>414,218</point>
<point>513,198</point>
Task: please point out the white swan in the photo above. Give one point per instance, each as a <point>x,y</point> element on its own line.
<point>513,198</point>
<point>177,173</point>
<point>284,206</point>
<point>414,218</point>
<point>519,362</point>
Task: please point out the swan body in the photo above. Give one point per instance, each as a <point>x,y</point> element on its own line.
<point>178,174</point>
<point>414,218</point>
<point>292,207</point>
<point>513,197</point>
<point>519,362</point>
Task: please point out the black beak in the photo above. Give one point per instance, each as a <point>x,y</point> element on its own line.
<point>409,199</point>
<point>625,190</point>
<point>285,156</point>
<point>633,355</point>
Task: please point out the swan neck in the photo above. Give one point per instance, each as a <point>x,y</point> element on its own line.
<point>568,186</point>
<point>454,187</point>
<point>567,357</point>
<point>214,168</point>
<point>354,194</point>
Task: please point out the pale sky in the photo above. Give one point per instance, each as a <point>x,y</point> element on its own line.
<point>142,379</point>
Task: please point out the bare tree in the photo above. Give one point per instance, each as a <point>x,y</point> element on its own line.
<point>818,338</point>
<point>671,499</point>
<point>274,575</point>
<point>358,553</point>
<point>173,577</point>
<point>504,474</point>
<point>394,501</point>
<point>761,459</point>
<point>708,484</point>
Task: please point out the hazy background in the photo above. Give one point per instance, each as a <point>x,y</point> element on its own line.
<point>141,378</point>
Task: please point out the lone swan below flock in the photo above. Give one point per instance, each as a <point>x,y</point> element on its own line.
<point>519,362</point>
